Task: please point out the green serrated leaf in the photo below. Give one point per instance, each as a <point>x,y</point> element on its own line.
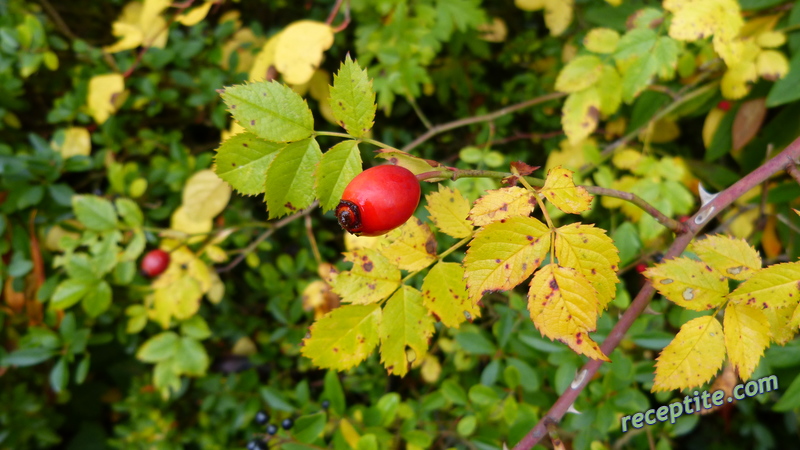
<point>95,212</point>
<point>352,99</point>
<point>344,337</point>
<point>243,160</point>
<point>97,300</point>
<point>271,110</point>
<point>338,166</point>
<point>290,178</point>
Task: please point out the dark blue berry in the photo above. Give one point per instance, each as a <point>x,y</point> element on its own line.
<point>326,404</point>
<point>257,444</point>
<point>272,429</point>
<point>262,418</point>
<point>287,423</point>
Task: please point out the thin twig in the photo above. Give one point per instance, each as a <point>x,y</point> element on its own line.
<point>693,226</point>
<point>437,129</point>
<point>312,240</point>
<point>519,136</point>
<point>334,12</point>
<point>56,17</point>
<point>265,235</point>
<point>422,117</point>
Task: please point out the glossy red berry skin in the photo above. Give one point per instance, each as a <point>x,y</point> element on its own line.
<point>724,105</point>
<point>378,200</point>
<point>155,262</point>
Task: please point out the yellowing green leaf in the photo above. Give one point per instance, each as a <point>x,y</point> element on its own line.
<point>264,60</point>
<point>735,258</point>
<point>104,90</point>
<point>299,49</point>
<point>780,324</point>
<point>196,14</point>
<point>205,195</point>
<point>694,20</point>
<point>413,163</point>
<point>337,167</point>
<point>746,336</point>
<point>693,357</point>
<point>592,253</point>
<point>449,211</point>
<point>502,203</point>
<point>444,293</point>
<point>412,247</point>
<point>290,178</point>
<point>557,13</point>
<point>242,161</point>
<point>609,87</point>
<point>505,253</point>
<point>601,40</point>
<point>563,305</point>
<point>404,331</point>
<point>180,221</point>
<point>736,81</point>
<point>711,125</point>
<point>562,192</point>
<point>579,74</point>
<point>689,283</point>
<point>776,286</point>
<point>344,337</point>
<point>372,278</point>
<point>77,141</point>
<point>772,65</point>
<point>581,114</point>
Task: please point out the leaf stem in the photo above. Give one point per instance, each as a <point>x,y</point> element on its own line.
<point>440,257</point>
<point>347,136</point>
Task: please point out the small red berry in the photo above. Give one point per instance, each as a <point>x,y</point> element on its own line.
<point>641,267</point>
<point>724,105</point>
<point>378,200</point>
<point>155,262</point>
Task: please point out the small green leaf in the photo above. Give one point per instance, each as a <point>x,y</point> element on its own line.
<point>308,428</point>
<point>27,357</point>
<point>70,292</point>
<point>290,178</point>
<point>78,266</point>
<point>453,392</point>
<point>191,357</point>
<point>159,347</point>
<point>512,376</point>
<point>95,212</point>
<point>338,166</point>
<point>130,212</point>
<point>271,110</point>
<point>195,327</point>
<point>59,375</point>
<point>352,98</point>
<point>83,369</point>
<point>333,392</point>
<point>482,395</point>
<point>475,343</point>
<point>367,442</point>
<point>98,299</point>
<point>275,399</point>
<point>466,426</point>
<point>243,160</point>
<point>135,247</point>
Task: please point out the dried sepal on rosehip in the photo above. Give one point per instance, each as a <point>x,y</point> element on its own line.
<point>378,200</point>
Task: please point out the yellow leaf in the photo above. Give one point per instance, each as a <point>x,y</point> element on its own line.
<point>103,90</point>
<point>694,20</point>
<point>736,80</point>
<point>371,279</point>
<point>562,192</point>
<point>505,253</point>
<point>405,331</point>
<point>449,211</point>
<point>244,346</point>
<point>626,158</point>
<point>772,65</point>
<point>592,253</point>
<point>581,114</point>
<point>140,24</point>
<point>735,258</point>
<point>217,289</point>
<point>780,324</point>
<point>77,141</point>
<point>349,433</point>
<point>130,37</point>
<point>496,31</point>
<point>264,60</point>
<point>242,42</point>
<point>216,253</point>
<point>344,337</point>
<point>711,124</point>
<point>689,283</point>
<point>573,156</point>
<point>300,48</point>
<point>693,357</point>
<point>771,39</point>
<point>196,14</point>
<point>205,195</point>
<point>660,131</point>
<point>431,369</point>
<point>746,336</point>
<point>179,299</point>
<point>353,242</point>
<point>581,73</point>
<point>601,40</point>
<point>445,295</point>
<point>557,13</point>
<point>180,221</point>
<point>412,246</point>
<point>502,203</point>
<point>609,87</point>
<point>563,306</point>
<point>776,286</point>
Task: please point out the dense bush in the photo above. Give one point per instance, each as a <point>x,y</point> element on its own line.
<point>121,135</point>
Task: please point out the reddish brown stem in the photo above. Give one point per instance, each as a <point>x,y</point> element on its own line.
<point>783,161</point>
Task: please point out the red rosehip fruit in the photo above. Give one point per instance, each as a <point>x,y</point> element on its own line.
<point>155,262</point>
<point>378,200</point>
<point>641,267</point>
<point>724,105</point>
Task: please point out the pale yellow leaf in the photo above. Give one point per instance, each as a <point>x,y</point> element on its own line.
<point>300,49</point>
<point>77,142</point>
<point>103,90</point>
<point>216,291</point>
<point>557,13</point>
<point>626,158</point>
<point>780,324</point>
<point>444,293</point>
<point>737,79</point>
<point>179,299</point>
<point>180,221</point>
<point>563,305</point>
<point>495,31</point>
<point>689,283</point>
<point>747,335</point>
<point>581,73</point>
<point>449,209</point>
<point>205,195</point>
<point>371,279</point>
<point>405,331</point>
<point>505,253</point>
<point>130,37</point>
<point>573,156</point>
<point>771,39</point>
<point>711,124</point>
<point>353,242</point>
<point>776,286</point>
<point>502,203</point>
<point>264,60</point>
<point>411,247</point>
<point>735,258</point>
<point>609,87</point>
<point>772,65</point>
<point>562,192</point>
<point>581,114</point>
<point>601,40</point>
<point>591,252</point>
<point>693,357</point>
<point>699,19</point>
<point>196,14</point>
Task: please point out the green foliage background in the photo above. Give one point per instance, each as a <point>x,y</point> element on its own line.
<point>75,381</point>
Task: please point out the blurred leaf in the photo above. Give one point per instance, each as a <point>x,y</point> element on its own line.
<point>160,347</point>
<point>95,212</point>
<point>97,300</point>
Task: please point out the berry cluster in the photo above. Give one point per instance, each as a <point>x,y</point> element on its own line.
<point>261,419</point>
